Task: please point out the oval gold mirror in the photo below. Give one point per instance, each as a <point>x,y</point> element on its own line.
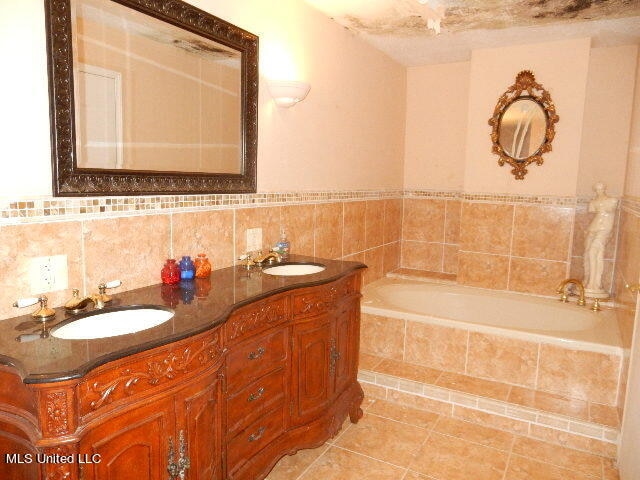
<point>523,124</point>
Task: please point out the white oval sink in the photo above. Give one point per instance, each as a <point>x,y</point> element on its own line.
<point>294,269</point>
<point>113,323</point>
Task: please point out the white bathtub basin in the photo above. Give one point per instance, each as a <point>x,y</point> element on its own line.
<point>113,323</point>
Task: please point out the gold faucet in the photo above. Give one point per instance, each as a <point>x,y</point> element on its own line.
<point>99,300</point>
<point>269,256</point>
<point>562,290</point>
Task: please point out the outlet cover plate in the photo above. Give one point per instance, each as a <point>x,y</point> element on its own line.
<point>48,274</point>
<point>254,239</point>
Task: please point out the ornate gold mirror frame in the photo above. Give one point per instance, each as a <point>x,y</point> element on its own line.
<point>525,88</point>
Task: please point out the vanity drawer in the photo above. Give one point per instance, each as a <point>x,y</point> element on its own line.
<point>256,317</point>
<point>255,400</point>
<point>251,359</point>
<point>254,438</point>
<point>318,300</point>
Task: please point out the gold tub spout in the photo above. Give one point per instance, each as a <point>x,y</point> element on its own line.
<point>562,290</point>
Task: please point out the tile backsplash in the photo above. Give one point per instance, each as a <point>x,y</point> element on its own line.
<point>508,242</point>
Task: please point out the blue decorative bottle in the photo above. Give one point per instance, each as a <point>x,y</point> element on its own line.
<point>187,268</point>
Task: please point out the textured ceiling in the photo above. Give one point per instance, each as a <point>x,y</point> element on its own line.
<point>399,27</point>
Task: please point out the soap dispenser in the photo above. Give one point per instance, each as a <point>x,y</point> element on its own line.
<point>283,246</point>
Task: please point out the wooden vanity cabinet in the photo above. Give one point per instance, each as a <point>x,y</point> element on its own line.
<point>278,376</point>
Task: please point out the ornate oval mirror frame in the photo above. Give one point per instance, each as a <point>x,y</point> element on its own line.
<point>69,180</point>
<point>524,87</point>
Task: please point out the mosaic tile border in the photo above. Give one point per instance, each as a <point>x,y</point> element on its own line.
<point>493,407</point>
<point>495,197</point>
<point>48,209</point>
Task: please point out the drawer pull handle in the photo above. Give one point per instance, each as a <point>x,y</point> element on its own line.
<point>255,355</point>
<point>255,396</point>
<point>258,435</point>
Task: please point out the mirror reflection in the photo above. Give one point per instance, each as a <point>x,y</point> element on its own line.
<point>151,96</point>
<point>522,128</point>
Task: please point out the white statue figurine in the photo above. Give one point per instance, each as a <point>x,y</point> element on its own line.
<point>598,234</point>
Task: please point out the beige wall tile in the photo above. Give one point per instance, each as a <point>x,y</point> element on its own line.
<point>486,227</point>
<point>368,362</point>
<point>423,220</point>
<point>502,359</point>
<point>392,220</point>
<point>267,218</point>
<point>483,270</point>
<point>452,221</point>
<point>382,336</point>
<point>391,259</point>
<point>450,259</point>
<point>204,232</point>
<point>536,276</point>
<point>374,228</point>
<point>422,256</point>
<point>604,415</point>
<point>21,243</point>
<point>542,232</point>
<point>435,346</point>
<point>354,227</point>
<point>328,230</point>
<point>374,259</point>
<point>579,374</point>
<point>132,249</point>
<point>297,220</point>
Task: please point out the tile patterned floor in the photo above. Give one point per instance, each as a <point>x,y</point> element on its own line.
<point>394,442</point>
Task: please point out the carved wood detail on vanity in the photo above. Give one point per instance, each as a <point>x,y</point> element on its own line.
<point>257,316</point>
<point>170,364</point>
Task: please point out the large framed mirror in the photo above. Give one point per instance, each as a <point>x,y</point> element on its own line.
<point>150,97</point>
<point>523,124</point>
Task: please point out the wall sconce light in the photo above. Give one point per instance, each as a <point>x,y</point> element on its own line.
<point>286,93</point>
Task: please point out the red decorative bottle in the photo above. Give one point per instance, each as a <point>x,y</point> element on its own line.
<point>170,273</point>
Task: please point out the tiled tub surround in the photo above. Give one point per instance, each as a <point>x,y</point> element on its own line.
<point>521,243</point>
<point>129,238</point>
<point>527,379</point>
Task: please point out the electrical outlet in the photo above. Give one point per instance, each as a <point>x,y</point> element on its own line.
<point>48,274</point>
<point>254,239</point>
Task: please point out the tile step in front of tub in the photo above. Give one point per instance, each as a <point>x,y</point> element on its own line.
<point>568,422</point>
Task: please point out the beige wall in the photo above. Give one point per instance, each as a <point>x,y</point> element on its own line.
<point>348,133</point>
<point>628,271</point>
<point>607,118</point>
<point>435,137</point>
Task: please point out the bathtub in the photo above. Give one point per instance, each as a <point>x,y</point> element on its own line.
<point>519,316</point>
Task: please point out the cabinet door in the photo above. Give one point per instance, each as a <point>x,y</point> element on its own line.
<point>132,445</point>
<point>311,389</point>
<point>344,348</point>
<point>199,416</point>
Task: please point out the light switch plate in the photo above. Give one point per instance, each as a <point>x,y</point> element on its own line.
<point>48,274</point>
<point>254,239</point>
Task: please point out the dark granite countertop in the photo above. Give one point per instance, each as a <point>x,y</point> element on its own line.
<point>200,306</point>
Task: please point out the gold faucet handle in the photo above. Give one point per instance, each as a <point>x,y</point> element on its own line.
<point>634,288</point>
<point>247,260</point>
<point>75,300</point>
<point>42,313</point>
<point>102,289</point>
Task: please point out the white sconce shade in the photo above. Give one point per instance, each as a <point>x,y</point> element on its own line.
<point>286,93</point>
